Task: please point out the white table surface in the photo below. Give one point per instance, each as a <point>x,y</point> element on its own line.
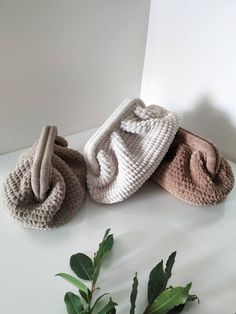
<point>147,227</point>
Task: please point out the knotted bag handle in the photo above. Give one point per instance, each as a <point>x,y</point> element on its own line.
<point>200,144</point>
<point>42,166</point>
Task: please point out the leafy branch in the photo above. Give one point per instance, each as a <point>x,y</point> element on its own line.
<point>88,269</point>
<point>162,299</point>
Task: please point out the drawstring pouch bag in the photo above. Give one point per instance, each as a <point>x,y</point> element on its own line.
<point>127,149</point>
<point>47,186</point>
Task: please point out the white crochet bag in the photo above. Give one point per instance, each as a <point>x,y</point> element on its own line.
<point>127,149</point>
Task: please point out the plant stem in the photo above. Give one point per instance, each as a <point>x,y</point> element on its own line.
<point>93,288</point>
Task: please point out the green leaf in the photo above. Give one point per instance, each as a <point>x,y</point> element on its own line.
<point>73,303</point>
<point>169,265</point>
<point>96,273</point>
<point>108,308</point>
<point>180,308</point>
<point>156,282</point>
<point>169,299</point>
<point>74,281</point>
<point>106,233</point>
<point>108,243</point>
<point>82,266</point>
<point>134,293</point>
<point>98,299</point>
<point>177,309</point>
<point>104,247</point>
<point>85,296</point>
<point>158,278</point>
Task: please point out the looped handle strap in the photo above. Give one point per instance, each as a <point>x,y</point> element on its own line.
<point>42,167</point>
<point>198,143</point>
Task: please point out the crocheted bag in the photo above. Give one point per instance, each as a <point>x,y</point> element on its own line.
<point>194,170</point>
<point>48,184</point>
<point>127,149</point>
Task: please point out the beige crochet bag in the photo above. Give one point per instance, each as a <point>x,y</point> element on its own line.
<point>127,149</point>
<point>48,184</point>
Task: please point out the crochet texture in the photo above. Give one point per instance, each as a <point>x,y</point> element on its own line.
<point>127,149</point>
<point>194,170</point>
<point>48,184</point>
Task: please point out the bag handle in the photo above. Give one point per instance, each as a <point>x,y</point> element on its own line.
<point>198,143</point>
<point>102,132</point>
<point>42,166</point>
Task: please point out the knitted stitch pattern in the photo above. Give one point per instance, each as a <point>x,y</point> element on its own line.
<point>194,171</point>
<point>127,149</point>
<point>60,182</point>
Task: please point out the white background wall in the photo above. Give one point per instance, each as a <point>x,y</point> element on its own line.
<point>190,65</point>
<point>71,62</point>
<point>66,62</point>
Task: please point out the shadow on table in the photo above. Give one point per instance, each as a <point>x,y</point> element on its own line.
<point>168,207</point>
<point>149,205</point>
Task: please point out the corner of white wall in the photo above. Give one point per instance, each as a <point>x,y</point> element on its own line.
<point>190,66</point>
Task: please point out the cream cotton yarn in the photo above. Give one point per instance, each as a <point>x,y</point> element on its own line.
<point>127,149</point>
<point>48,184</point>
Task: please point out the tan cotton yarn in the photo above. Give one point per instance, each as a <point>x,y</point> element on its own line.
<point>194,170</point>
<point>48,184</point>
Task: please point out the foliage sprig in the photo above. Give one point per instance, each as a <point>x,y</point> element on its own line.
<point>161,299</point>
